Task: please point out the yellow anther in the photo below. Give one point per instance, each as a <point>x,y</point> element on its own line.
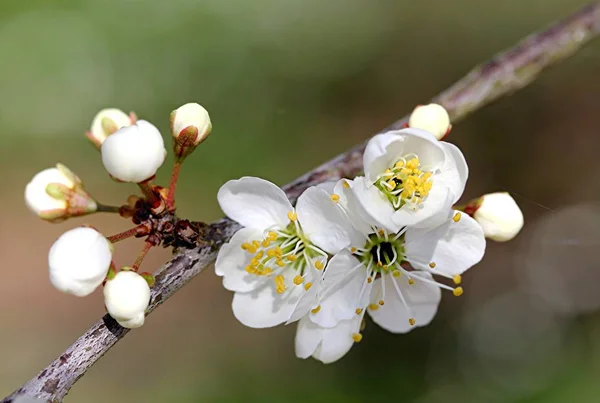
<point>345,184</point>
<point>358,311</point>
<point>388,171</point>
<point>381,232</point>
<point>411,281</point>
<point>255,245</point>
<point>280,263</point>
<point>381,302</point>
<point>272,236</point>
<point>271,252</point>
<point>353,249</point>
<point>335,198</point>
<point>373,307</point>
<point>316,310</point>
<point>307,286</point>
<point>399,164</point>
<point>254,261</point>
<point>456,217</point>
<point>298,280</point>
<point>279,284</point>
<point>246,246</point>
<point>457,279</point>
<point>396,273</point>
<point>266,242</point>
<point>319,265</point>
<point>458,291</point>
<point>412,321</point>
<point>392,184</point>
<point>432,265</point>
<point>379,264</point>
<point>357,337</point>
<point>369,280</point>
<point>291,258</point>
<point>292,215</point>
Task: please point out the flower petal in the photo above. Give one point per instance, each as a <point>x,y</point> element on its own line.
<point>381,152</point>
<point>454,246</point>
<point>323,221</point>
<point>376,207</point>
<point>265,307</point>
<point>455,170</point>
<point>254,203</point>
<point>432,212</point>
<point>344,279</point>
<point>356,214</point>
<point>309,299</point>
<point>422,299</point>
<point>232,261</point>
<point>326,345</point>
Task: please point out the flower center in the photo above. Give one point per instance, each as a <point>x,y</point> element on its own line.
<point>281,250</point>
<point>405,182</point>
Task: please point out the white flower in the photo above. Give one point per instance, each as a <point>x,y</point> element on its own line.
<point>55,194</point>
<point>134,153</point>
<point>79,261</point>
<point>126,297</point>
<point>390,275</point>
<point>499,215</point>
<point>275,263</point>
<point>105,123</point>
<point>432,118</point>
<point>410,179</point>
<point>190,126</point>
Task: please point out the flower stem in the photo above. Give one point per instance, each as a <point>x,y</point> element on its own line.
<point>104,208</point>
<point>148,191</point>
<point>173,184</point>
<point>135,231</point>
<point>142,255</point>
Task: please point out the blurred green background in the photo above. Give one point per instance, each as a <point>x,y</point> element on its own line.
<point>290,84</point>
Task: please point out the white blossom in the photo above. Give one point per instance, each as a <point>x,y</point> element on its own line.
<point>190,126</point>
<point>134,153</point>
<point>79,261</point>
<point>275,263</point>
<point>105,123</point>
<point>499,216</point>
<point>411,179</point>
<point>126,298</point>
<point>432,118</point>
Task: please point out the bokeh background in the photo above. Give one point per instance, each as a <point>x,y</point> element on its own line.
<point>289,84</point>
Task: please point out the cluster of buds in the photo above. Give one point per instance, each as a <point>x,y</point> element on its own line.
<point>81,260</point>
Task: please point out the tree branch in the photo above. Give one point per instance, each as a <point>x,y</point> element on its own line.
<point>505,73</point>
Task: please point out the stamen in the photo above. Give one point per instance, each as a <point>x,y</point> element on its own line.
<point>292,215</point>
<point>458,291</point>
<point>319,265</point>
<point>352,249</point>
<point>373,307</point>
<point>357,337</point>
<point>411,321</point>
<point>307,286</point>
<point>316,310</point>
<point>273,236</point>
<point>358,311</point>
<point>432,265</point>
<point>396,273</point>
<point>280,284</point>
<point>401,296</point>
<point>456,217</point>
<point>457,279</point>
<point>298,280</point>
<point>335,197</point>
<point>346,185</point>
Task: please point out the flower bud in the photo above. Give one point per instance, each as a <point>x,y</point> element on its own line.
<point>56,194</point>
<point>79,261</point>
<point>499,216</point>
<point>190,126</point>
<point>432,118</point>
<point>105,123</point>
<point>126,297</point>
<point>134,153</point>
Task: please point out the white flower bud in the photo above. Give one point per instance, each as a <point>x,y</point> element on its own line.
<point>499,216</point>
<point>79,261</point>
<point>190,126</point>
<point>432,118</point>
<point>105,123</point>
<point>56,194</point>
<point>134,153</point>
<point>126,297</point>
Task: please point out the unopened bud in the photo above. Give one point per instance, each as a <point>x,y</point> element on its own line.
<point>56,194</point>
<point>79,261</point>
<point>190,126</point>
<point>105,123</point>
<point>432,118</point>
<point>499,216</point>
<point>126,298</point>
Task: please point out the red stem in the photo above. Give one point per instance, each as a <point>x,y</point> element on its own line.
<point>142,255</point>
<point>173,184</point>
<point>148,191</point>
<point>139,230</point>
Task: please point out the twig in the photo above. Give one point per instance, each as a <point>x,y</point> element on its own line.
<point>502,75</point>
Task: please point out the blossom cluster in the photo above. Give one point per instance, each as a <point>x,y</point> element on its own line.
<point>385,243</point>
<point>132,151</point>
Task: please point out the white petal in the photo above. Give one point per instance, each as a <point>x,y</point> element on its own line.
<point>341,290</point>
<point>422,300</point>
<point>382,151</point>
<point>232,261</point>
<point>323,221</point>
<point>36,197</point>
<point>499,216</point>
<point>135,322</point>
<point>356,214</point>
<point>255,203</point>
<point>326,345</point>
<point>376,207</point>
<point>430,213</point>
<point>126,297</point>
<point>308,300</point>
<point>264,307</point>
<point>328,186</point>
<point>453,246</point>
<point>455,170</point>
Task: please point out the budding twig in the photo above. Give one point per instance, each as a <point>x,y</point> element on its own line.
<point>173,184</point>
<point>135,231</point>
<point>502,75</point>
<point>142,255</point>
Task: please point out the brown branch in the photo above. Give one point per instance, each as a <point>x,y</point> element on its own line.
<point>505,73</point>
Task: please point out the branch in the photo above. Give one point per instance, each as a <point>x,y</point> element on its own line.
<point>505,73</point>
